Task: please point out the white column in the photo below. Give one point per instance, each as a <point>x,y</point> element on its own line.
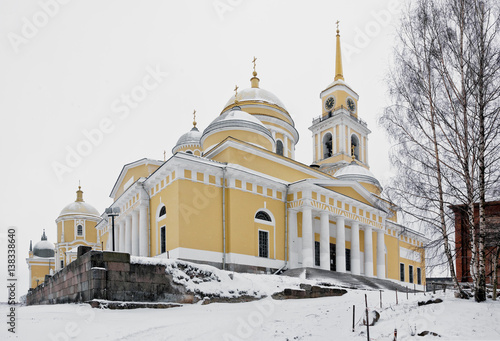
<point>340,245</point>
<point>135,233</point>
<point>368,251</point>
<point>318,146</point>
<point>324,241</point>
<point>355,258</point>
<point>122,234</point>
<point>307,240</point>
<point>128,234</point>
<point>292,239</point>
<point>143,231</point>
<point>285,151</point>
<point>380,254</point>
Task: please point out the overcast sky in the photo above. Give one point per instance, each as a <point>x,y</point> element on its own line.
<point>68,67</point>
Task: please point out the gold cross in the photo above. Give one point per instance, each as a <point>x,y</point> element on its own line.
<point>337,24</point>
<point>253,61</point>
<point>194,118</point>
<point>164,155</point>
<point>236,94</point>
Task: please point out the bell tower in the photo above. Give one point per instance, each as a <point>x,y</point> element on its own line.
<point>339,135</point>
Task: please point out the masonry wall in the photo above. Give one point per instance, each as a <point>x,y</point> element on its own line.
<point>462,239</point>
<point>107,276</point>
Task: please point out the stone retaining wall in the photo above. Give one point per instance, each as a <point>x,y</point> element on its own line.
<point>107,276</point>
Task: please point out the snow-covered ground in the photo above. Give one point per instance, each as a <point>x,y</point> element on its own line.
<point>328,318</point>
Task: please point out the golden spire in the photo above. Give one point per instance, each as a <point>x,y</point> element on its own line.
<point>236,94</point>
<point>254,80</point>
<point>79,193</point>
<point>194,118</point>
<point>339,74</point>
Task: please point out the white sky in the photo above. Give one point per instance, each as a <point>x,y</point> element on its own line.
<point>65,75</point>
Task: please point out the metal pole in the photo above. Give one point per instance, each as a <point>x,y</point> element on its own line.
<point>353,316</point>
<point>367,321</point>
<point>380,299</point>
<point>396,296</point>
<point>113,230</point>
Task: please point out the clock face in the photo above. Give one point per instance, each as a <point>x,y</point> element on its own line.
<point>329,103</point>
<point>351,105</point>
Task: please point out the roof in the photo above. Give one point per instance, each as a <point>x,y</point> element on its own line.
<point>236,118</point>
<point>257,95</point>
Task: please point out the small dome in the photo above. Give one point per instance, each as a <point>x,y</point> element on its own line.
<point>237,120</point>
<point>79,207</point>
<point>44,248</point>
<point>358,173</point>
<point>190,138</point>
<point>257,95</point>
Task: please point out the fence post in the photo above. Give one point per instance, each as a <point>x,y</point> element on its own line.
<point>367,321</point>
<point>353,316</point>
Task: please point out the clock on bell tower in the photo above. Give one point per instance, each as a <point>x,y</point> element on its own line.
<point>339,135</point>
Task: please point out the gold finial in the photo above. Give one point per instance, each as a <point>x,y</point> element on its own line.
<point>164,156</point>
<point>235,94</point>
<point>254,80</point>
<point>339,74</point>
<point>194,118</point>
<point>79,193</point>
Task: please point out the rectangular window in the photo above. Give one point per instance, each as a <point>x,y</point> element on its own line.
<point>263,244</point>
<point>419,276</point>
<point>348,259</point>
<point>316,254</point>
<point>79,230</point>
<point>62,264</point>
<point>401,272</point>
<point>410,273</point>
<point>163,240</point>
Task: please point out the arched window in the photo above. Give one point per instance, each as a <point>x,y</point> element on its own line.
<point>79,230</point>
<point>355,146</point>
<point>261,215</point>
<point>163,211</point>
<point>327,146</point>
<point>189,152</point>
<point>279,147</point>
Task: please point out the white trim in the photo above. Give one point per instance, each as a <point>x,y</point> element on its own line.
<point>216,257</point>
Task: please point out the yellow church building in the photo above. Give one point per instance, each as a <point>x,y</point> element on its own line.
<point>234,196</point>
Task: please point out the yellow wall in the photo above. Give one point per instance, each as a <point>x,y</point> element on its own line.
<point>250,137</point>
<point>137,172</point>
<point>38,272</point>
<point>263,165</point>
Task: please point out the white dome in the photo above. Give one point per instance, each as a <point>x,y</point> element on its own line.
<point>79,207</point>
<point>358,173</point>
<point>192,137</point>
<point>235,118</point>
<point>44,248</point>
<point>258,95</point>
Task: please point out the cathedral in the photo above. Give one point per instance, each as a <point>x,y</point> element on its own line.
<point>232,195</point>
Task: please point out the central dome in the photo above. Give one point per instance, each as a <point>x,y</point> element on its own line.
<point>256,95</point>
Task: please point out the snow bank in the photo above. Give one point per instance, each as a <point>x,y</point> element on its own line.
<point>207,280</point>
